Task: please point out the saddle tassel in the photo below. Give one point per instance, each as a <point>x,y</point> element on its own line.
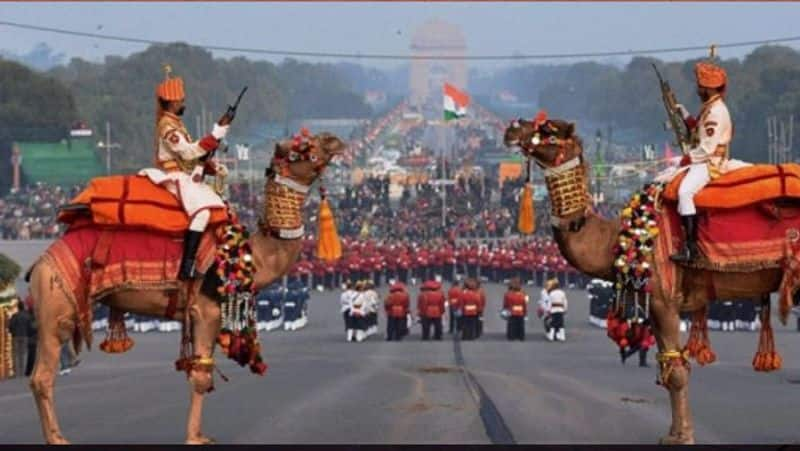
<point>766,358</point>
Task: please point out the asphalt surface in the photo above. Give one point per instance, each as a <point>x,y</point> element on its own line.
<point>321,390</point>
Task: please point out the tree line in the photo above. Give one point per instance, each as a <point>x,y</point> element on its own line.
<point>766,82</point>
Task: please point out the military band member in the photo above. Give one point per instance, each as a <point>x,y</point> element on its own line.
<point>515,302</point>
<point>454,306</point>
<point>430,309</point>
<point>397,307</point>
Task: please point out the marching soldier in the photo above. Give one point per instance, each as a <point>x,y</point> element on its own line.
<point>294,305</point>
<point>454,304</point>
<point>711,133</point>
<point>557,301</point>
<point>181,164</point>
<point>268,300</point>
<point>472,303</point>
<point>397,307</point>
<point>515,302</point>
<point>358,314</point>
<point>346,300</point>
<point>430,308</point>
<point>372,300</point>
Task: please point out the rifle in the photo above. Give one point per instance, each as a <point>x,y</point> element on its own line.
<point>675,119</point>
<point>231,113</point>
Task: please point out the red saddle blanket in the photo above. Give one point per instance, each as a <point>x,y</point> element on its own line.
<point>94,262</point>
<point>133,201</point>
<point>736,239</point>
<point>744,186</point>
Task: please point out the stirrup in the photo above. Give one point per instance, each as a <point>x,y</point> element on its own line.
<point>685,255</point>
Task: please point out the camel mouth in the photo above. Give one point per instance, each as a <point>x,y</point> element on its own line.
<point>513,143</point>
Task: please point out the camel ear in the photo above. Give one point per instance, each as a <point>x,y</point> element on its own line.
<point>571,129</point>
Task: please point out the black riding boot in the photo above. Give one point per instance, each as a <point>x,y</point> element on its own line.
<point>191,241</point>
<point>689,250</point>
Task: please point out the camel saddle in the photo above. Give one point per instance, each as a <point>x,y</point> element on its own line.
<point>742,187</point>
<point>93,262</point>
<point>745,218</point>
<point>132,202</point>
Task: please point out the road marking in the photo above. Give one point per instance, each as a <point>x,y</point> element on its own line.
<point>493,423</point>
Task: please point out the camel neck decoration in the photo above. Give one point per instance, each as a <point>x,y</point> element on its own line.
<point>567,187</point>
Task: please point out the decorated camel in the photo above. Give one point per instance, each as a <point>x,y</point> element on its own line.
<point>134,270</point>
<point>636,248</point>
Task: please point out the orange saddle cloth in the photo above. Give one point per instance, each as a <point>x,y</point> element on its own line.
<point>745,186</point>
<point>132,201</point>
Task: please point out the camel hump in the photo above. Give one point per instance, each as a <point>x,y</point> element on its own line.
<point>746,186</point>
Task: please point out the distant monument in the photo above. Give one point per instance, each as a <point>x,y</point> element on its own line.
<point>436,37</point>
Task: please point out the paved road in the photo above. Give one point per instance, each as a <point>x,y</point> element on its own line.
<point>320,389</point>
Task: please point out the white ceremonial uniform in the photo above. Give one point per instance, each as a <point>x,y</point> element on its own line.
<point>176,153</point>
<point>709,156</point>
<point>346,299</point>
<point>557,301</point>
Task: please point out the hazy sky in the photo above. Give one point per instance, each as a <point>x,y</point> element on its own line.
<point>490,28</point>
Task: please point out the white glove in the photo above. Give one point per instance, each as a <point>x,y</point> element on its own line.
<point>219,131</point>
<point>684,112</point>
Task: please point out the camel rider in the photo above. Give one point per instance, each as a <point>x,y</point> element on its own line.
<point>711,133</point>
<point>181,163</point>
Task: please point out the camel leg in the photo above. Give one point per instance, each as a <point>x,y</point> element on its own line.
<point>206,325</point>
<point>666,322</point>
<point>53,313</point>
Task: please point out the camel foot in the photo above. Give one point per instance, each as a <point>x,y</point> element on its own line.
<point>677,440</point>
<point>58,439</point>
<point>200,440</point>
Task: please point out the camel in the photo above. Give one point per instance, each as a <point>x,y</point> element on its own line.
<point>272,256</point>
<point>586,241</point>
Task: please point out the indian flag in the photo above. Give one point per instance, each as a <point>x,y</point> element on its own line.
<point>455,102</point>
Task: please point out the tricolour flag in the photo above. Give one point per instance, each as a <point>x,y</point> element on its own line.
<point>455,102</point>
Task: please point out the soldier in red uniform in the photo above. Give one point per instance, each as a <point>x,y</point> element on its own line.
<point>305,268</point>
<point>377,264</point>
<point>515,302</point>
<point>454,304</point>
<point>330,275</point>
<point>404,265</point>
<point>354,267</point>
<point>397,307</point>
<point>449,263</point>
<point>392,263</point>
<point>318,270</point>
<point>422,262</point>
<point>343,270</point>
<point>485,256</point>
<point>472,259</point>
<point>430,308</point>
<point>472,303</point>
<point>506,265</point>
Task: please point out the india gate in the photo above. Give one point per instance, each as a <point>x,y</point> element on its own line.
<point>436,37</point>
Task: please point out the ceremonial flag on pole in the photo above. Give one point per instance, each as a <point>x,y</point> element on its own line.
<point>455,102</point>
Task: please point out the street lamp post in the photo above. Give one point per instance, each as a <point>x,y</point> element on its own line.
<point>107,146</point>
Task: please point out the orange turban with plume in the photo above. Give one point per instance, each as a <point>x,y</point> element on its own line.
<point>710,75</point>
